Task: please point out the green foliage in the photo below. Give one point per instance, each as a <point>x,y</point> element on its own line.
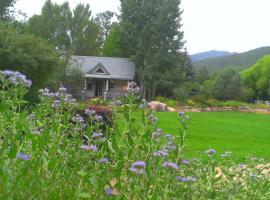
<point>111,46</point>
<point>33,56</point>
<point>186,90</point>
<point>257,78</point>
<point>104,20</point>
<point>154,40</point>
<point>71,32</point>
<point>4,8</point>
<point>227,85</point>
<point>238,61</point>
<point>84,32</point>
<point>53,25</point>
<point>51,148</point>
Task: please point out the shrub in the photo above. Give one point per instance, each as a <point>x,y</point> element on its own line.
<point>43,155</point>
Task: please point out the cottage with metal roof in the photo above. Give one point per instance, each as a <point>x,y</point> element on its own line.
<point>105,77</point>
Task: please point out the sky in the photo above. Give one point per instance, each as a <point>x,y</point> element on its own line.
<point>231,25</point>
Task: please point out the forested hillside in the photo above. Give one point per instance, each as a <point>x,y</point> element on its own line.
<point>238,61</point>
<point>209,54</point>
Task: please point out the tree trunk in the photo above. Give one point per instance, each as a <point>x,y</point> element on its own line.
<point>154,91</point>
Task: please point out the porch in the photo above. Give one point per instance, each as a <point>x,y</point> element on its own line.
<point>103,88</point>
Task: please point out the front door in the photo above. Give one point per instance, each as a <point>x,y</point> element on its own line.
<point>99,88</point>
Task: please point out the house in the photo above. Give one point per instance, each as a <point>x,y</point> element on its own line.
<point>104,77</point>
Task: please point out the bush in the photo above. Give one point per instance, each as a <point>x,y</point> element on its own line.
<point>43,155</point>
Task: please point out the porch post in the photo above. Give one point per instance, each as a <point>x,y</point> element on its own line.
<point>84,89</point>
<point>106,89</point>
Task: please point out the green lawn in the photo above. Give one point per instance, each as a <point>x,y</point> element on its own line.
<point>242,133</point>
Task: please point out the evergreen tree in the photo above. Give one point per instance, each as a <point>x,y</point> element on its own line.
<point>151,35</point>
<point>84,32</point>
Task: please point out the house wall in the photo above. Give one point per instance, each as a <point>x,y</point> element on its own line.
<point>117,88</point>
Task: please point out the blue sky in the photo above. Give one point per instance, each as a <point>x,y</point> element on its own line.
<point>232,25</point>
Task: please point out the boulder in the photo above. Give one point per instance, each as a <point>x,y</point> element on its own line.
<point>158,106</point>
<point>170,109</point>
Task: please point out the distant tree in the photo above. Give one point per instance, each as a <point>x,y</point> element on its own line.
<point>227,85</point>
<point>151,35</point>
<point>202,75</point>
<point>71,32</point>
<point>30,55</point>
<point>84,32</point>
<point>53,24</point>
<point>4,8</point>
<point>257,78</point>
<point>104,19</point>
<point>112,44</point>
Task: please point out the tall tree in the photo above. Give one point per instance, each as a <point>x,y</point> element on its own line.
<point>53,24</point>
<point>112,44</point>
<point>71,32</point>
<point>84,31</point>
<point>104,20</point>
<point>151,34</point>
<point>4,8</point>
<point>257,78</point>
<point>227,85</point>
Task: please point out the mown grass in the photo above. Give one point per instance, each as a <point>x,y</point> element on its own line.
<point>245,134</point>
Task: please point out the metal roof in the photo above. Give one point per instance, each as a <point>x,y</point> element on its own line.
<point>116,68</point>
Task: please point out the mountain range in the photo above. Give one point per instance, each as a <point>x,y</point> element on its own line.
<point>218,60</point>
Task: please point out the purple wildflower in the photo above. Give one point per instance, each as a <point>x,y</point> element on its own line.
<point>97,135</point>
<point>160,153</point>
<point>139,164</point>
<point>156,134</point>
<point>186,179</point>
<point>138,167</point>
<point>62,89</point>
<point>22,156</point>
<point>152,119</point>
<point>169,147</point>
<point>109,191</point>
<point>210,152</point>
<point>98,118</point>
<point>78,119</point>
<point>89,112</point>
<point>185,162</point>
<point>88,148</point>
<point>170,165</point>
<point>31,117</point>
<point>180,114</point>
<point>103,160</point>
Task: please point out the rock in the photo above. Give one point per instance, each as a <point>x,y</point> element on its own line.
<point>171,109</point>
<point>158,106</point>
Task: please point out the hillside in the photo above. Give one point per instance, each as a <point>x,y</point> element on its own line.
<point>208,54</point>
<point>240,61</point>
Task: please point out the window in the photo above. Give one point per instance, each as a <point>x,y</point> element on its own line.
<point>111,84</point>
<point>89,84</point>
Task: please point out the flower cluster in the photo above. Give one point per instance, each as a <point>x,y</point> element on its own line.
<point>170,165</point>
<point>138,167</point>
<point>88,148</point>
<point>16,78</point>
<point>133,88</point>
<point>186,179</point>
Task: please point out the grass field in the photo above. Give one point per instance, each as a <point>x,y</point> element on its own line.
<point>241,133</point>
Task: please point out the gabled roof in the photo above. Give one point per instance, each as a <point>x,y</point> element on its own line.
<point>114,68</point>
